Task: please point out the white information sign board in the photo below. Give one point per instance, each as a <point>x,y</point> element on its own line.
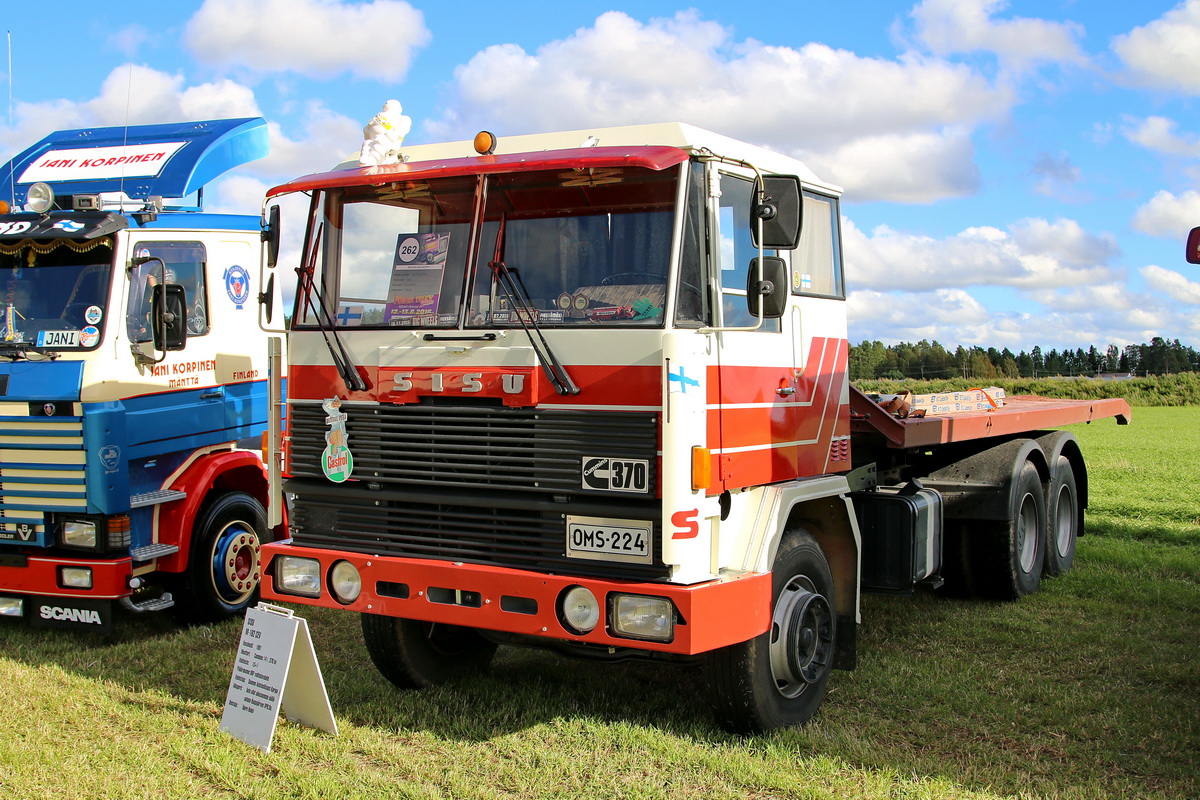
<point>275,667</point>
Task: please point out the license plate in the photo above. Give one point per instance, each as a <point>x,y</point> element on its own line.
<point>609,539</point>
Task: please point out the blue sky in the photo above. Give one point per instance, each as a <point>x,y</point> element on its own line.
<point>1016,173</point>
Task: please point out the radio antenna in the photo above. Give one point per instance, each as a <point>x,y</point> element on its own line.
<point>11,166</point>
<point>125,140</point>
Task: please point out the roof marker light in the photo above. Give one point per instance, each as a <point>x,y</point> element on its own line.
<point>485,143</point>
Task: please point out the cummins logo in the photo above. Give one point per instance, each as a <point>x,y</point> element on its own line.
<point>71,614</point>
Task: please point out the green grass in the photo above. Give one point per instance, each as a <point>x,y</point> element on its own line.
<point>1088,689</point>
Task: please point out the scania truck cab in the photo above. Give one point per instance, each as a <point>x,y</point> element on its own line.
<point>132,377</point>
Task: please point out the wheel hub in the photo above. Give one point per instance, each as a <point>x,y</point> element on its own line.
<point>237,562</point>
<point>801,637</point>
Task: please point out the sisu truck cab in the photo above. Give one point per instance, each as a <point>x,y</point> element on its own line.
<point>588,391</point>
<point>133,377</point>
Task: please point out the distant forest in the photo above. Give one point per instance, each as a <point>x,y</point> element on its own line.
<point>930,360</point>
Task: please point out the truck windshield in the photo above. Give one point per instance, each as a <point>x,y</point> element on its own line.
<point>54,296</point>
<point>588,247</point>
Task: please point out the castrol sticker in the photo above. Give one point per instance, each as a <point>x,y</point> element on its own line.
<point>336,461</point>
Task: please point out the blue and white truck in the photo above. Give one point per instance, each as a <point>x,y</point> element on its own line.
<point>133,377</point>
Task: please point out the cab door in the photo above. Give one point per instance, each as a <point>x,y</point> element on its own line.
<point>188,411</point>
<point>780,385</point>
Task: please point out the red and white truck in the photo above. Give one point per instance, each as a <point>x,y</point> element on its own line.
<point>588,391</point>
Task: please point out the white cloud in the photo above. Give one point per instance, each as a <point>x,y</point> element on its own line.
<point>901,168</point>
<point>1031,254</point>
<point>134,94</point>
<point>966,26</point>
<point>317,38</point>
<point>138,95</point>
<point>1057,175</point>
<point>1168,215</point>
<point>1078,317</point>
<point>1172,284</point>
<point>1158,135</point>
<point>908,118</point>
<point>129,40</point>
<point>1163,54</point>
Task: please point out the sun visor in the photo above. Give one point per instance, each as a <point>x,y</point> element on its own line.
<point>172,160</point>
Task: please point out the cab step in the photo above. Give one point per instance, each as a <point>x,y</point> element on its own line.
<point>153,551</point>
<point>153,604</point>
<point>155,498</point>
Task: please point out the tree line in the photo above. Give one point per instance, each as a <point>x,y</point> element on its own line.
<point>930,360</point>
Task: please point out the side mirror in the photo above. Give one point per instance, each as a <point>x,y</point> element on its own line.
<point>771,293</point>
<point>270,235</point>
<point>1193,247</point>
<point>779,207</point>
<point>168,312</point>
<point>266,298</point>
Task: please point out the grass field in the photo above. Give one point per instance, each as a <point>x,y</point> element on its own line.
<point>1089,689</point>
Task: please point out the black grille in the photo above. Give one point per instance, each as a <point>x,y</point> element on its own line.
<point>476,448</point>
<point>524,531</point>
<point>488,484</point>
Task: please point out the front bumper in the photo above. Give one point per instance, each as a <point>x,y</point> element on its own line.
<point>709,615</point>
<point>38,575</point>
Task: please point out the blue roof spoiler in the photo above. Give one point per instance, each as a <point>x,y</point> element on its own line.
<point>171,160</point>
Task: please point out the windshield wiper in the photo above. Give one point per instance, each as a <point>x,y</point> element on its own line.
<point>21,350</point>
<point>325,323</point>
<point>513,287</point>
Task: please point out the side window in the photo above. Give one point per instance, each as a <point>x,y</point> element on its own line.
<point>691,309</point>
<point>817,262</point>
<point>736,251</point>
<point>182,263</point>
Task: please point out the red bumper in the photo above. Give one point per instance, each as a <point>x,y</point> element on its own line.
<point>34,575</point>
<point>710,615</point>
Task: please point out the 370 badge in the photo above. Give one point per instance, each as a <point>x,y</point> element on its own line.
<point>616,474</point>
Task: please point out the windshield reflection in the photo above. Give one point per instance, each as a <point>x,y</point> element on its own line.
<point>54,300</point>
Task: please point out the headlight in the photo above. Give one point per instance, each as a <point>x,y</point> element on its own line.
<point>12,607</point>
<point>640,617</point>
<point>298,576</point>
<point>39,198</point>
<point>79,533</point>
<point>345,582</point>
<point>75,577</point>
<point>580,609</point>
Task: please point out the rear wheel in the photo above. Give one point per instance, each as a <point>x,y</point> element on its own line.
<point>417,655</point>
<point>224,564</point>
<point>1007,555</point>
<point>778,679</point>
<point>1064,519</point>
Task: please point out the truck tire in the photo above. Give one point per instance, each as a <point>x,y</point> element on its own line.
<point>417,655</point>
<point>778,679</point>
<point>224,563</point>
<point>1064,519</point>
<point>1007,555</point>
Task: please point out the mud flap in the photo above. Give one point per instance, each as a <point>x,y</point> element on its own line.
<point>72,613</point>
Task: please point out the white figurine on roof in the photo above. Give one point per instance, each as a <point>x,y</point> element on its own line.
<point>383,134</point>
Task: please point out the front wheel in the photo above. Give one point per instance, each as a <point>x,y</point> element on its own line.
<point>225,562</point>
<point>778,679</point>
<point>417,655</point>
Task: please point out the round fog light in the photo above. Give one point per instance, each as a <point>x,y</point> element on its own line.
<point>580,609</point>
<point>345,582</point>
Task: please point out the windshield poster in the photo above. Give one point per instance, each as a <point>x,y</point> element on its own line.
<point>416,276</point>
